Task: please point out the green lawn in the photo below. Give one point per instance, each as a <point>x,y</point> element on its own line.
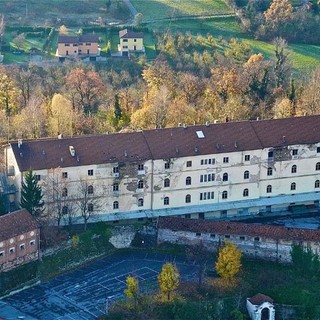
<point>159,9</point>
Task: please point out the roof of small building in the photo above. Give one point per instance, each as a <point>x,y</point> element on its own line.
<point>238,228</point>
<point>128,34</point>
<point>15,223</point>
<point>90,37</point>
<point>260,298</point>
<point>63,38</point>
<point>183,141</point>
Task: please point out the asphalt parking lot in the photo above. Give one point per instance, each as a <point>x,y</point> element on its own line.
<point>83,293</point>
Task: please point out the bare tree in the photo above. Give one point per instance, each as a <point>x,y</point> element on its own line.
<point>2,27</point>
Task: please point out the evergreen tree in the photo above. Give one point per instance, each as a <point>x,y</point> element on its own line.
<point>117,109</point>
<point>31,195</point>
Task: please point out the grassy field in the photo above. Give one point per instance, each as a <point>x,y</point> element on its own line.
<point>159,9</point>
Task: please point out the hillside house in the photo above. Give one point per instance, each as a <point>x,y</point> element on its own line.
<point>19,239</point>
<point>219,170</point>
<point>130,41</point>
<point>261,307</point>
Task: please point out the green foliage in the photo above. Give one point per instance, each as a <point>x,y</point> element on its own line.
<point>305,261</point>
<point>31,195</point>
<point>168,280</point>
<point>2,206</point>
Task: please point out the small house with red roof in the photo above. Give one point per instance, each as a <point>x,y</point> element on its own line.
<point>130,41</point>
<point>261,307</point>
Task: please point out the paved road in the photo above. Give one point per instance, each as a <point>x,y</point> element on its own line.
<point>82,293</point>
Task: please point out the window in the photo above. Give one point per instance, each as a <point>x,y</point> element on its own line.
<point>269,171</point>
<point>90,189</point>
<point>140,184</point>
<point>90,172</point>
<point>188,198</point>
<point>88,43</point>
<point>140,167</point>
<point>22,247</point>
<point>293,186</point>
<point>246,192</point>
<point>207,177</point>
<point>317,184</point>
<point>227,236</point>
<point>32,242</point>
<point>64,192</point>
<point>318,149</point>
<point>90,207</point>
<point>206,195</point>
<point>140,202</point>
<point>125,40</point>
<point>187,216</point>
<point>167,165</point>
<point>256,239</point>
<point>67,45</point>
<point>318,166</point>
<point>225,177</point>
<point>198,234</point>
<point>12,250</point>
<point>247,157</point>
<point>207,161</point>
<point>64,175</point>
<point>294,152</point>
<point>115,187</point>
<point>1,254</point>
<point>115,169</point>
<point>125,47</point>
<point>225,159</point>
<point>270,154</point>
<point>166,183</point>
<point>242,238</point>
<point>188,181</point>
<point>246,175</point>
<point>269,188</point>
<point>115,205</point>
<point>189,164</point>
<point>294,169</point>
<point>212,235</point>
<point>225,195</point>
<point>38,177</point>
<point>166,201</point>
<point>65,210</point>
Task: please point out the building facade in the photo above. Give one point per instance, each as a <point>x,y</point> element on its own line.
<point>19,239</point>
<point>130,42</point>
<point>206,171</point>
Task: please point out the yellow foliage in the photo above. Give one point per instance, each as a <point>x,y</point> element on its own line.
<point>132,290</point>
<point>75,241</point>
<point>168,279</point>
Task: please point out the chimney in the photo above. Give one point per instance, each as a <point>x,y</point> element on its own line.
<point>72,151</point>
<point>19,143</point>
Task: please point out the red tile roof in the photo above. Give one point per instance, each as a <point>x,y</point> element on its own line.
<point>238,228</point>
<point>15,223</point>
<point>167,143</point>
<point>260,298</point>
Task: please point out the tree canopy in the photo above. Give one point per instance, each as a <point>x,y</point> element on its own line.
<point>168,280</point>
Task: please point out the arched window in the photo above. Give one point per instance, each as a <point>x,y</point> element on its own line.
<point>64,192</point>
<point>167,183</point>
<point>166,201</point>
<point>318,166</point>
<point>225,195</point>
<point>115,205</point>
<point>246,175</point>
<point>90,207</point>
<point>90,189</point>
<point>246,192</point>
<point>269,171</point>
<point>317,184</point>
<point>65,210</point>
<point>225,177</point>
<point>140,184</point>
<point>269,188</point>
<point>188,198</point>
<point>294,169</point>
<point>188,181</point>
<point>140,202</point>
<point>293,186</point>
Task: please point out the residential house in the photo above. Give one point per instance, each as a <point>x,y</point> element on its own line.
<point>130,41</point>
<point>261,307</point>
<point>218,170</point>
<point>19,239</point>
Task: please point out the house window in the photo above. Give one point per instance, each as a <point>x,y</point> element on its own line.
<point>115,205</point>
<point>166,183</point>
<point>212,235</point>
<point>115,169</point>
<point>225,159</point>
<point>189,164</point>
<point>22,247</point>
<point>246,192</point>
<point>318,149</point>
<point>270,154</point>
<point>65,210</point>
<point>166,201</point>
<point>140,184</point>
<point>206,195</point>
<point>242,238</point>
<point>12,250</point>
<point>269,171</point>
<point>317,184</point>
<point>134,40</point>
<point>140,202</point>
<point>188,181</point>
<point>90,207</point>
<point>256,239</point>
<point>187,216</point>
<point>140,167</point>
<point>247,157</point>
<point>64,175</point>
<point>32,242</point>
<point>269,188</point>
<point>188,198</point>
<point>125,40</point>
<point>90,189</point>
<point>88,43</point>
<point>167,165</point>
<point>115,187</point>
<point>38,177</point>
<point>67,45</point>
<point>1,254</point>
<point>294,169</point>
<point>64,192</point>
<point>293,186</point>
<point>294,152</point>
<point>90,172</point>
<point>125,47</point>
<point>225,177</point>
<point>227,236</point>
<point>318,166</point>
<point>207,177</point>
<point>225,195</point>
<point>246,175</point>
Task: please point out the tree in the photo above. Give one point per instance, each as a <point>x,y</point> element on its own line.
<point>2,28</point>
<point>31,195</point>
<point>8,92</point>
<point>168,280</point>
<point>132,290</point>
<point>138,19</point>
<point>19,40</point>
<point>229,261</point>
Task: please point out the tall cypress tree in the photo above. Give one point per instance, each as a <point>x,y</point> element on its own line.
<point>31,195</point>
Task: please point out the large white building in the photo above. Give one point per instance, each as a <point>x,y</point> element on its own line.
<point>213,170</point>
